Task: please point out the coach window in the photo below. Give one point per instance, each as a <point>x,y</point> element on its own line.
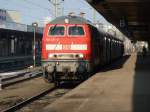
<point>56,31</point>
<point>75,30</point>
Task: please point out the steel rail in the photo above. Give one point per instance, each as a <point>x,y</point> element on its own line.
<point>4,82</point>
<point>29,100</point>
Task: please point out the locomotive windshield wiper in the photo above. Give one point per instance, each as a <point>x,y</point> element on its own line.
<point>54,27</point>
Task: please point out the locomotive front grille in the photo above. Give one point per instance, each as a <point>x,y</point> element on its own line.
<point>65,56</point>
<point>71,66</point>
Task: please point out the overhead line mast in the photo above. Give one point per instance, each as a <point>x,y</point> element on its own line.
<point>56,3</point>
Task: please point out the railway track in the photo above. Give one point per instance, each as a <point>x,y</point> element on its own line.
<point>41,99</point>
<point>39,104</point>
<point>18,101</point>
<point>17,78</point>
<point>29,100</point>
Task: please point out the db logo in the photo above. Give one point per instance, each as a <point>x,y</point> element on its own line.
<point>66,47</point>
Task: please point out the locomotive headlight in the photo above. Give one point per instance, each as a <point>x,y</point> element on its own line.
<point>52,55</point>
<point>66,20</point>
<point>55,55</point>
<point>79,55</point>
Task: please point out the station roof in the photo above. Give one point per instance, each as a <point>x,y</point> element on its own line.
<point>135,13</point>
<point>5,25</point>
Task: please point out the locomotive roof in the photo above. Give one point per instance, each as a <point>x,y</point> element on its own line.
<point>72,20</point>
<point>77,20</point>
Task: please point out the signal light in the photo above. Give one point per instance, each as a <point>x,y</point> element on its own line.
<point>66,20</point>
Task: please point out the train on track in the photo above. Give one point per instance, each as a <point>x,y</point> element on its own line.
<point>72,47</point>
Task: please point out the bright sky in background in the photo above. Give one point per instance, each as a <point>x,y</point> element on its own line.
<point>41,10</point>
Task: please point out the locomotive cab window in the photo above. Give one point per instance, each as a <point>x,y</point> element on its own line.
<point>56,30</point>
<point>75,30</point>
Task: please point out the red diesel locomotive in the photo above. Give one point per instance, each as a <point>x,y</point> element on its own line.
<point>72,47</point>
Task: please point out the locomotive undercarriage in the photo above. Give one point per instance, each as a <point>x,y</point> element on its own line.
<point>62,70</point>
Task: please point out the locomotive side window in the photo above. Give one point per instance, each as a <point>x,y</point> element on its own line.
<point>56,30</point>
<point>75,30</point>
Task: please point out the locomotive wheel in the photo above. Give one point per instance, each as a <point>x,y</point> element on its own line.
<point>55,80</point>
<point>86,75</point>
<point>82,76</point>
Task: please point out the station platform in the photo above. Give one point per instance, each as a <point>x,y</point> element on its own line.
<point>123,87</point>
<point>19,72</point>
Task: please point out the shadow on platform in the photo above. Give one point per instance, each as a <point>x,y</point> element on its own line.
<point>141,91</point>
<point>68,84</point>
<point>116,64</point>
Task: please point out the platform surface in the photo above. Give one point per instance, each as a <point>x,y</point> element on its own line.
<point>124,87</point>
<point>19,72</point>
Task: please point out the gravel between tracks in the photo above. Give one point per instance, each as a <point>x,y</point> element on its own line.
<point>19,92</point>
